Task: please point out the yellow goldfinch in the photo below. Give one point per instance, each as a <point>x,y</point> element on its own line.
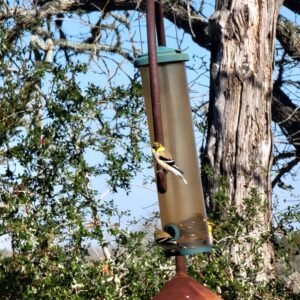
<point>165,160</point>
<point>163,238</point>
<point>210,231</point>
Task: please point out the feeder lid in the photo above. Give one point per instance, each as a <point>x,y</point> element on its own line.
<point>164,55</point>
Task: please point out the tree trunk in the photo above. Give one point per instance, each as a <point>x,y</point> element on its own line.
<point>239,141</point>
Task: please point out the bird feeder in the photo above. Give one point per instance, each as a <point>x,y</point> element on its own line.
<point>182,208</point>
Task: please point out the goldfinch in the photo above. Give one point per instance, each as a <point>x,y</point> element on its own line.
<point>165,160</point>
<point>163,238</point>
<point>210,231</point>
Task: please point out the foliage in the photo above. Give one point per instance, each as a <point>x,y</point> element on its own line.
<point>234,228</point>
<point>50,128</point>
<point>57,274</point>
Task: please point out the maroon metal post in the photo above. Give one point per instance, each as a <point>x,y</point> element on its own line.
<point>180,265</point>
<point>159,20</point>
<point>154,87</point>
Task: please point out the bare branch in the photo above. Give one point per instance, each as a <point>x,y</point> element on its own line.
<point>87,47</point>
<point>289,37</point>
<point>283,155</point>
<point>293,5</point>
<point>287,115</point>
<point>285,169</point>
<point>186,16</point>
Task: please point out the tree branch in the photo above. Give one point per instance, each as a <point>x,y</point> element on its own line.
<point>187,18</point>
<point>287,115</point>
<point>283,155</point>
<point>293,5</point>
<point>288,35</point>
<point>283,170</point>
<point>84,47</point>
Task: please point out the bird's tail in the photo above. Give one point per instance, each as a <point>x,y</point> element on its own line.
<point>184,180</point>
<point>179,174</point>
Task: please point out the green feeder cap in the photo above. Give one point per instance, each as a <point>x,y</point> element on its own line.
<point>164,55</point>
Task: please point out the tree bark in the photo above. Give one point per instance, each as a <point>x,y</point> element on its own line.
<point>239,139</point>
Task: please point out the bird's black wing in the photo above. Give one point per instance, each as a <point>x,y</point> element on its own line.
<point>177,168</point>
<point>168,161</point>
<point>171,163</point>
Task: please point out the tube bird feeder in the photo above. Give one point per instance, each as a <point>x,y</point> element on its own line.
<point>182,208</point>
